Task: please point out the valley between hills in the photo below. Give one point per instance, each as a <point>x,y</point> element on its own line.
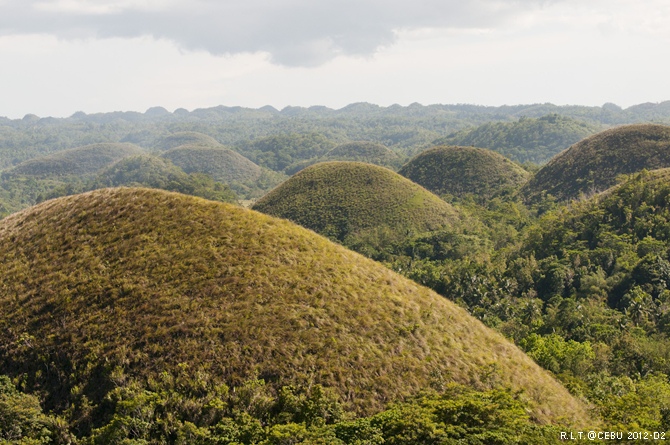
<point>435,274</point>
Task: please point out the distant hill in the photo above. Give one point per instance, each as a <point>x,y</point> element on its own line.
<point>86,160</point>
<point>336,199</point>
<point>280,152</point>
<point>185,138</point>
<point>111,293</point>
<point>527,140</point>
<point>461,171</point>
<point>593,164</point>
<point>159,173</point>
<point>364,151</point>
<point>359,151</point>
<point>220,163</point>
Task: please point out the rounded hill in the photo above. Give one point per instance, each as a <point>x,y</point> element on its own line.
<point>527,140</point>
<point>460,171</point>
<point>185,138</point>
<point>133,285</point>
<point>85,160</point>
<point>593,164</point>
<point>159,173</point>
<point>364,151</point>
<point>220,163</point>
<point>337,199</point>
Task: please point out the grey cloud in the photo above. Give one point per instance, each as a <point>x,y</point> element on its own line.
<point>293,32</point>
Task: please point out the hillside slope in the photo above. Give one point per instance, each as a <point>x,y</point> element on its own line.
<point>592,165</point>
<point>120,285</point>
<point>337,199</point>
<point>179,138</point>
<point>460,171</point>
<point>219,162</point>
<point>526,140</point>
<point>84,160</point>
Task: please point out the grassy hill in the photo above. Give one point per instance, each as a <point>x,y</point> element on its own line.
<point>593,164</point>
<point>116,288</point>
<point>159,173</point>
<point>220,163</point>
<point>185,138</point>
<point>86,160</point>
<point>527,140</point>
<point>460,171</point>
<point>337,199</point>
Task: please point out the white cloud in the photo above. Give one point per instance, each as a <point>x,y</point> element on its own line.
<point>294,32</point>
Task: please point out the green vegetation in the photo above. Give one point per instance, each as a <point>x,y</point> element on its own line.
<point>345,199</point>
<point>360,151</point>
<point>280,152</point>
<point>116,288</point>
<point>593,164</point>
<point>173,410</point>
<point>220,163</point>
<point>150,171</point>
<point>584,289</point>
<point>57,174</point>
<point>180,138</point>
<point>462,171</point>
<point>526,140</point>
<point>247,179</point>
<point>81,161</point>
<point>147,171</point>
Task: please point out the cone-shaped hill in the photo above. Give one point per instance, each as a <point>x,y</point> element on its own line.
<point>364,151</point>
<point>120,285</point>
<point>336,199</point>
<point>218,162</point>
<point>593,164</point>
<point>459,171</point>
<point>79,161</point>
<point>185,138</point>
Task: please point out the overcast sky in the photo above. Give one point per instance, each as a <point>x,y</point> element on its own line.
<point>62,56</point>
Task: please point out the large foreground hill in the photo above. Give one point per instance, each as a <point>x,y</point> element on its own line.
<point>135,285</point>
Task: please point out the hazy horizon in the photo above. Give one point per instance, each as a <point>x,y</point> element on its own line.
<point>64,56</point>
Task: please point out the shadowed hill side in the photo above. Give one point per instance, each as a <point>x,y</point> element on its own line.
<point>337,199</point>
<point>117,284</point>
<point>593,164</point>
<point>461,171</point>
<point>86,160</point>
<point>220,163</point>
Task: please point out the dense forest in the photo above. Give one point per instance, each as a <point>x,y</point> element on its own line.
<point>500,276</point>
